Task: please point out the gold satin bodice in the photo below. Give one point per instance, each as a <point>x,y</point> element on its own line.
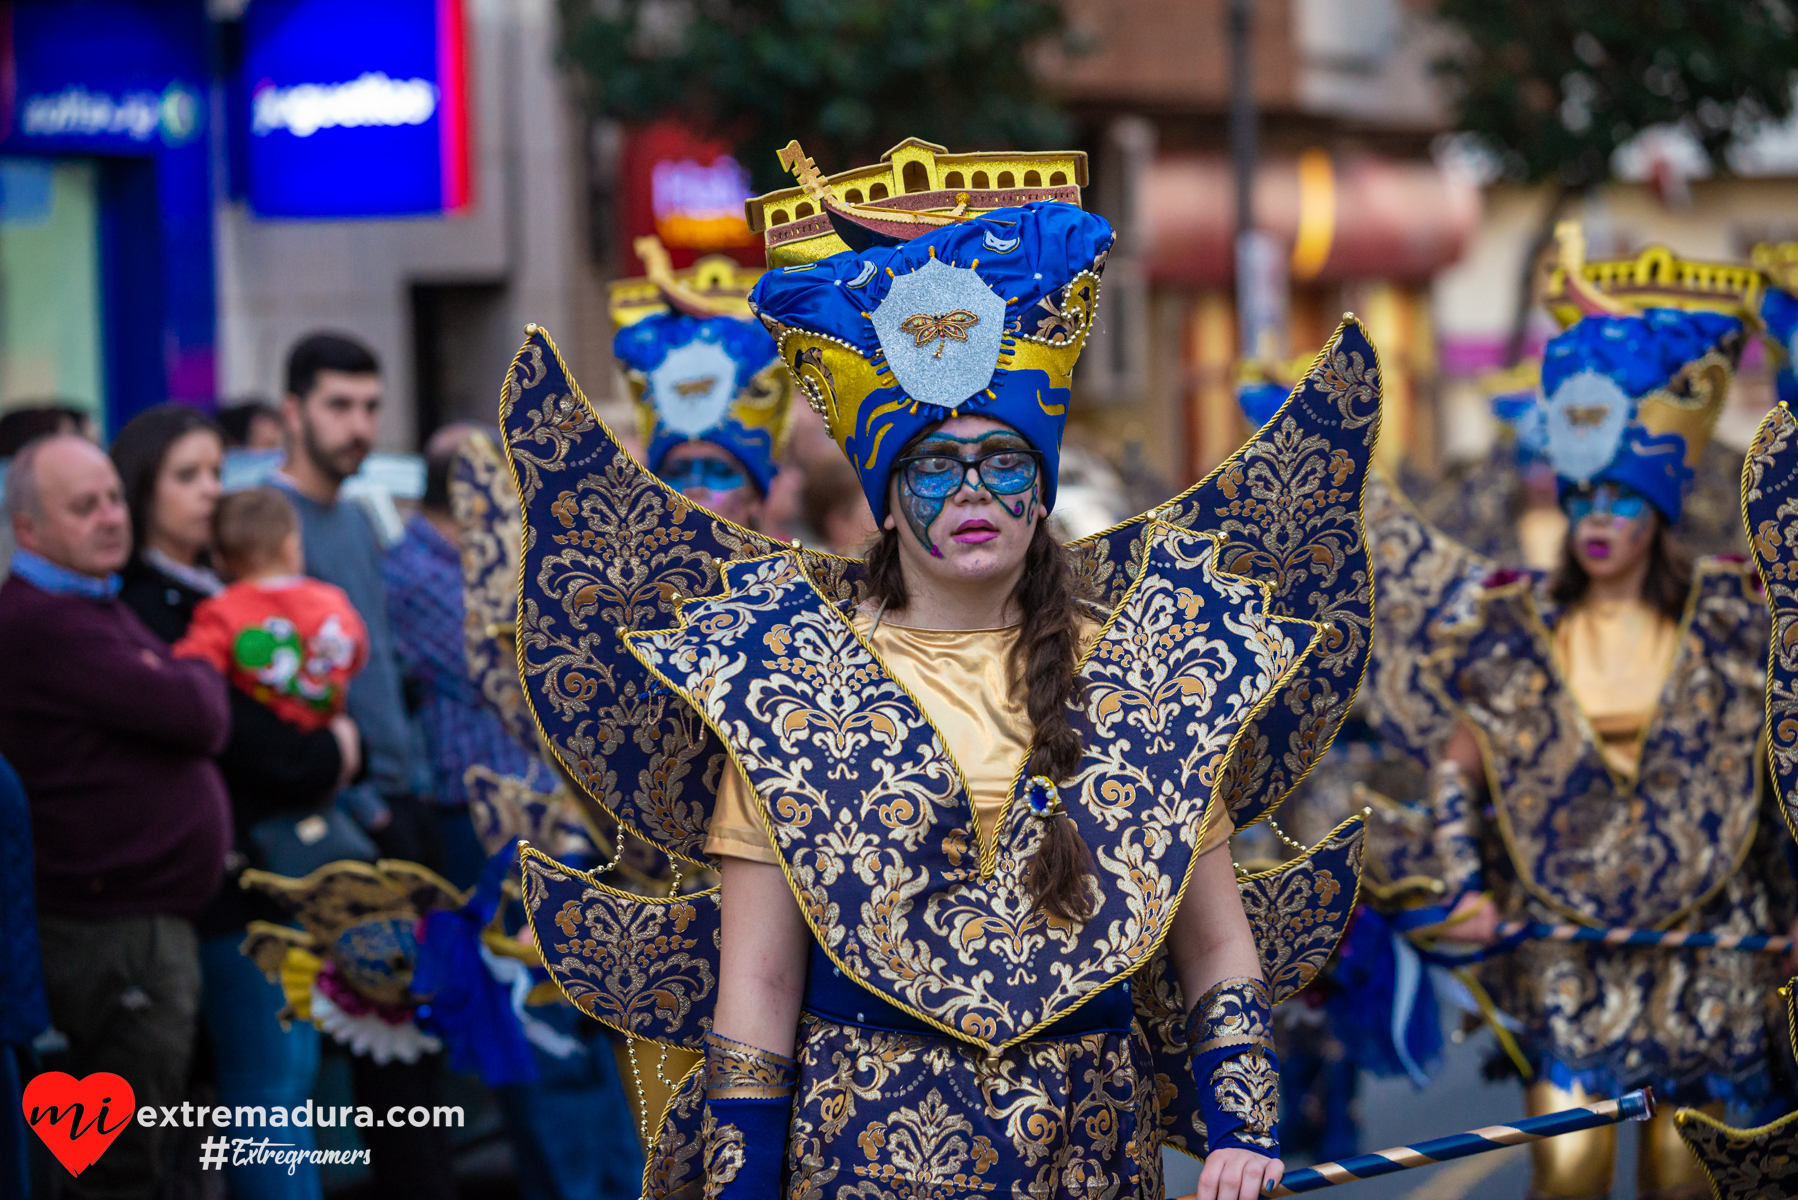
<point>962,680</point>
<point>1617,655</point>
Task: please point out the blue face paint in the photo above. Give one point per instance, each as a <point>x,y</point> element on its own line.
<point>933,473</point>
<point>708,474</point>
<point>1613,500</point>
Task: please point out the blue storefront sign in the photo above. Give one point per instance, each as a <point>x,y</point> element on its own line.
<point>107,76</point>
<point>353,109</point>
<point>123,85</point>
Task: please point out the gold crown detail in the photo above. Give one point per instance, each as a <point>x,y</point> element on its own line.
<point>916,186</point>
<point>1655,278</point>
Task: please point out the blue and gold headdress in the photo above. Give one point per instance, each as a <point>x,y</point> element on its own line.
<point>978,306</point>
<point>700,366</point>
<point>1632,388</point>
<point>1778,265</point>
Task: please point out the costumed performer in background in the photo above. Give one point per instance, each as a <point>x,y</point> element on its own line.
<point>710,391</point>
<point>1611,716</point>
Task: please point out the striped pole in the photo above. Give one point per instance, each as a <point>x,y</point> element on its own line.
<point>1635,1106</point>
<point>1748,942</point>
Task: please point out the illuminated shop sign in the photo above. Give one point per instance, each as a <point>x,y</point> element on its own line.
<point>687,188</point>
<point>700,207</point>
<point>355,109</point>
<point>104,76</point>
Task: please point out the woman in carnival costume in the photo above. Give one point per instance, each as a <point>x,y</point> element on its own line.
<point>1595,732</point>
<point>710,391</point>
<point>969,824</point>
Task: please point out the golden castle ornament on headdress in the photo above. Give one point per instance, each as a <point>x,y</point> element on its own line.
<point>916,183</point>
<point>1655,278</point>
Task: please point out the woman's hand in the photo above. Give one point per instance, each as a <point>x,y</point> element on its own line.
<point>349,747</point>
<point>1474,920</point>
<point>1235,1174</point>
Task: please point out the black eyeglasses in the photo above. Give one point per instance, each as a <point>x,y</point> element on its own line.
<point>937,476</point>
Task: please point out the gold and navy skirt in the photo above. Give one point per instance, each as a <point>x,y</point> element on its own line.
<point>907,1115</point>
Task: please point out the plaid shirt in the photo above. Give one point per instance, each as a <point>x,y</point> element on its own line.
<point>423,573</point>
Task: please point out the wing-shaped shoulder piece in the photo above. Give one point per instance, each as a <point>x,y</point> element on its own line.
<point>647,967</point>
<point>1299,912</point>
<point>1424,580</point>
<point>485,505</point>
<point>607,545</point>
<point>1748,1164</point>
<point>1288,504</point>
<point>1770,513</point>
<point>1598,847</point>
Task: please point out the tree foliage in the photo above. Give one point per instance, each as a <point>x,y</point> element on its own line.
<point>1555,86</point>
<point>848,78</point>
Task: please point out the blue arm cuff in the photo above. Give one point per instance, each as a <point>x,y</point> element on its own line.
<point>1234,1065</point>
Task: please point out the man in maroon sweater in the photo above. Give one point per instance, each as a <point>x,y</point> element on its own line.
<point>113,739</point>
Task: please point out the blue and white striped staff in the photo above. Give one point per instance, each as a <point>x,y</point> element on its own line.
<point>1635,1106</point>
<point>1750,942</point>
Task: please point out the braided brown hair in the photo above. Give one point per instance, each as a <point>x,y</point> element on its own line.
<point>1043,659</point>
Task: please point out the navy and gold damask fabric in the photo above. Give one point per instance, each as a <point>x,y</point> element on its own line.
<point>606,544</point>
<point>885,1115</point>
<point>649,967</point>
<point>871,816</point>
<point>1289,506</point>
<point>1590,845</point>
<point>1748,1164</point>
<point>485,505</point>
<point>1769,485</point>
<point>1426,582</point>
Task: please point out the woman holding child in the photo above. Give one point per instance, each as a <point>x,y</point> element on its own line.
<point>169,459</point>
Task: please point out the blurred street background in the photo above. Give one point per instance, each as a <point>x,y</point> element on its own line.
<point>188,187</point>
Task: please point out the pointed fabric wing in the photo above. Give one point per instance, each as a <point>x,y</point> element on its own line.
<point>485,505</point>
<point>1425,581</point>
<point>1299,912</point>
<point>1748,1164</point>
<point>1770,513</point>
<point>608,546</point>
<point>1289,506</point>
<point>647,967</point>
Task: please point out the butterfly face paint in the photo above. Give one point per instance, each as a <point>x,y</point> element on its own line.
<point>998,460</point>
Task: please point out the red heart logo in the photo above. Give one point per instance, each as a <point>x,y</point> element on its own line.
<point>78,1118</point>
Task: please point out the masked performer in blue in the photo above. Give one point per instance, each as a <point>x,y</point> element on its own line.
<point>1596,732</point>
<point>711,395</point>
<point>971,828</point>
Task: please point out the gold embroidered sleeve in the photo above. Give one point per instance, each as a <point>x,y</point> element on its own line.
<point>738,1071</point>
<point>1233,1012</point>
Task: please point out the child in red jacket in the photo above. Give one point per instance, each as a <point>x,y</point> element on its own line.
<point>291,642</point>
